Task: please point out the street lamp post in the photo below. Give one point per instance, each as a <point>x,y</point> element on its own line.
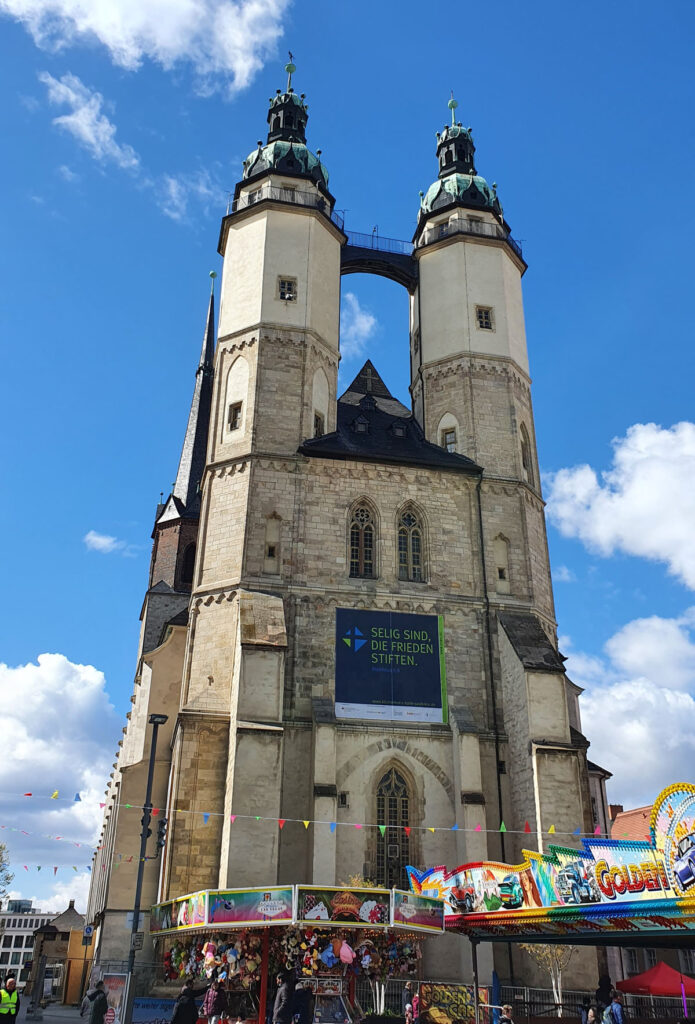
<point>155,722</point>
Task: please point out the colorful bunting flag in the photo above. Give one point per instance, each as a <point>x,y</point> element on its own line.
<point>478,828</point>
<point>306,822</point>
<point>281,822</point>
<point>74,868</point>
<point>258,817</point>
<point>332,826</point>
<point>454,828</point>
<point>551,830</point>
<point>527,827</point>
<point>503,827</point>
<point>597,831</point>
<point>155,812</point>
<point>28,794</point>
<point>78,799</point>
<point>430,829</point>
<point>382,829</point>
<point>54,795</point>
<point>38,867</point>
<point>206,818</point>
<point>25,867</point>
<point>102,805</point>
<point>232,818</point>
<point>406,829</point>
<point>357,825</point>
<point>55,871</point>
<point>577,832</point>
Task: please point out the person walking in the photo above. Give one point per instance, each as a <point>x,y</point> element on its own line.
<point>614,1012</point>
<point>407,996</point>
<point>9,1000</point>
<point>282,1007</point>
<point>100,1004</point>
<point>301,1006</point>
<point>185,1009</point>
<point>416,1006</point>
<point>215,1002</point>
<point>506,1015</point>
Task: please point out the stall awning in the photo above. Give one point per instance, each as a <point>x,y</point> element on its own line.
<point>659,980</point>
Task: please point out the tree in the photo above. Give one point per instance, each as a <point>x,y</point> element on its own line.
<point>6,875</point>
<point>553,959</point>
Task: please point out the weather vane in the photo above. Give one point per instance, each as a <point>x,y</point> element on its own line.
<point>452,105</point>
<point>290,69</point>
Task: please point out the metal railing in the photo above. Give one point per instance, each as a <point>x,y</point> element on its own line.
<point>376,241</point>
<point>540,1002</point>
<point>300,197</point>
<point>464,226</point>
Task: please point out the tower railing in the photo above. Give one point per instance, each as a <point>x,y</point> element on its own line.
<point>466,226</point>
<point>297,196</point>
<point>376,241</point>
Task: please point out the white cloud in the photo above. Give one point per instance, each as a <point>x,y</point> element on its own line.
<point>225,42</point>
<point>86,122</point>
<point>175,191</point>
<point>638,709</point>
<point>67,174</point>
<point>561,574</point>
<point>357,326</point>
<point>61,736</point>
<point>644,505</point>
<point>103,543</point>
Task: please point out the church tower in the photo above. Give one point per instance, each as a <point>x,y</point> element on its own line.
<point>367,635</point>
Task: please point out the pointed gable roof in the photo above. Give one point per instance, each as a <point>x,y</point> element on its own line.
<point>368,382</point>
<point>195,442</point>
<point>373,426</point>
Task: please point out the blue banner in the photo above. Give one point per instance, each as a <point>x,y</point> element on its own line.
<point>389,666</point>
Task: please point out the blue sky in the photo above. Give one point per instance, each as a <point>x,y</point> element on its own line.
<point>124,128</point>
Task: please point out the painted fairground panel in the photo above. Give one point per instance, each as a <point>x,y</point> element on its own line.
<point>370,908</point>
<point>444,1003</point>
<point>250,906</point>
<point>656,871</point>
<point>419,913</point>
<point>186,912</point>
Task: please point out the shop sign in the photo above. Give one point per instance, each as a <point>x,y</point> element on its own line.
<point>186,912</point>
<point>250,906</point>
<point>152,1011</point>
<point>602,872</point>
<point>116,988</point>
<point>444,1004</point>
<point>389,666</point>
<point>421,913</point>
<point>369,908</point>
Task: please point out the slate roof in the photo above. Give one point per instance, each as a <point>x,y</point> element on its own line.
<point>389,432</point>
<point>194,448</point>
<point>531,644</point>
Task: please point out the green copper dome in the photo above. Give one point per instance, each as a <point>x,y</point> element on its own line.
<point>468,189</point>
<point>285,158</point>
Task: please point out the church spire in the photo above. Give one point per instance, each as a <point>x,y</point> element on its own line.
<point>193,452</point>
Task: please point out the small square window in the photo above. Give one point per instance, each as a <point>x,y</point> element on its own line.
<point>287,289</point>
<point>501,573</point>
<point>15,958</point>
<point>4,958</point>
<point>449,440</point>
<point>270,551</point>
<point>485,318</point>
<point>361,426</point>
<point>254,196</point>
<point>343,800</point>
<point>7,940</point>
<point>318,424</point>
<point>234,417</point>
<point>399,430</point>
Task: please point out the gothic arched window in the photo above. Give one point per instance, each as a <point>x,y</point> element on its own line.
<point>187,565</point>
<point>526,459</point>
<point>393,847</point>
<point>362,543</point>
<point>410,547</point>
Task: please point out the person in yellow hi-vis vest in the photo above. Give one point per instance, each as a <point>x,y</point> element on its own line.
<point>9,1001</point>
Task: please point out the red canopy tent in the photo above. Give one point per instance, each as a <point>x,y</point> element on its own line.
<point>659,980</point>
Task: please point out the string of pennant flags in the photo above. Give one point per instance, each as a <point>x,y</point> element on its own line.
<point>332,825</point>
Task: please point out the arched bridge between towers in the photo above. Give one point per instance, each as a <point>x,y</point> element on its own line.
<point>387,257</point>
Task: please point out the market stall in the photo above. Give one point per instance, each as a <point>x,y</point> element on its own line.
<point>322,936</point>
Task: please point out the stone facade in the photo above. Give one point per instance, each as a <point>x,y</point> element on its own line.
<point>251,688</point>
